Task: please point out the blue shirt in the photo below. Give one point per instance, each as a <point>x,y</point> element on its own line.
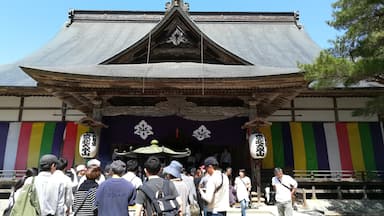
<point>114,196</point>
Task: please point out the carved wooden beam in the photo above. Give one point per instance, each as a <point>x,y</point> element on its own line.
<point>267,109</point>
<point>90,122</point>
<point>256,123</point>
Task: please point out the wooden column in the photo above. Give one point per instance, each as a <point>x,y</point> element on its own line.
<point>255,163</point>
<point>97,115</point>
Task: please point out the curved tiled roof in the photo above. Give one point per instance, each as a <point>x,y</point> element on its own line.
<point>272,42</point>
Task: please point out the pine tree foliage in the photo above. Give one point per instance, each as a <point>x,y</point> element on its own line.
<point>358,54</point>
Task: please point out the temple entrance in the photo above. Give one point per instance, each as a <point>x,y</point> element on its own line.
<point>222,138</point>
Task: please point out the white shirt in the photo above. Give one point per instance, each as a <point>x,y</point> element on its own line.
<point>131,177</point>
<point>41,182</point>
<point>219,201</point>
<point>190,183</point>
<point>58,188</point>
<point>283,194</point>
<point>183,191</point>
<point>242,187</point>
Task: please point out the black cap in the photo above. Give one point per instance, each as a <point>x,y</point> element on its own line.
<point>47,160</point>
<point>211,161</point>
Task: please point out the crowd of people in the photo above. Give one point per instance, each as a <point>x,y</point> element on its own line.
<point>87,190</point>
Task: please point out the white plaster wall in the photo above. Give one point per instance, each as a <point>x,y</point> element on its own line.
<point>42,102</point>
<point>351,102</point>
<point>9,115</point>
<point>8,101</point>
<point>280,116</point>
<point>315,115</point>
<point>346,115</point>
<point>41,115</point>
<point>74,115</point>
<point>313,102</point>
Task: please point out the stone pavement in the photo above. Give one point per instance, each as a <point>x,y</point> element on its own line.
<point>313,208</point>
<point>323,207</point>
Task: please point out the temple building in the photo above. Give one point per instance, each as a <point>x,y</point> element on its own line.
<point>190,80</point>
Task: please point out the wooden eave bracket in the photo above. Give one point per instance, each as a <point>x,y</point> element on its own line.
<point>90,122</point>
<point>256,123</point>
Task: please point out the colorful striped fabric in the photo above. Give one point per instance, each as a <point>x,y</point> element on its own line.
<point>306,145</point>
<point>23,143</point>
<point>325,146</point>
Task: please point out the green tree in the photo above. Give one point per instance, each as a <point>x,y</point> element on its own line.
<point>358,54</point>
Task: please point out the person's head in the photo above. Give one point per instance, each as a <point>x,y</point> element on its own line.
<point>93,173</point>
<point>107,170</point>
<point>242,173</point>
<point>192,171</point>
<point>93,162</point>
<point>48,163</point>
<point>132,166</point>
<point>31,172</point>
<point>211,164</point>
<point>152,166</point>
<point>118,167</point>
<point>62,163</point>
<point>81,169</point>
<point>228,171</point>
<point>198,173</point>
<point>278,172</point>
<point>174,170</point>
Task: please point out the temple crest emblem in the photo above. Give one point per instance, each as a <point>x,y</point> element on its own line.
<point>201,133</point>
<point>143,129</point>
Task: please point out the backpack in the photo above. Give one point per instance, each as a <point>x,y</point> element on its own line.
<point>27,203</point>
<point>162,202</point>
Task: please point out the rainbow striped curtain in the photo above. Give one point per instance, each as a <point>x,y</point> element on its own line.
<point>297,145</point>
<point>325,146</point>
<point>23,143</point>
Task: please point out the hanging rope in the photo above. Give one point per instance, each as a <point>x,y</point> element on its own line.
<point>148,52</point>
<point>202,63</point>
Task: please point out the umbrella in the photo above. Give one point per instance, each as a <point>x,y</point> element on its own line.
<point>154,149</point>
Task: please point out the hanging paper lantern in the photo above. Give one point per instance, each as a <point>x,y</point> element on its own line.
<point>88,145</point>
<point>258,146</point>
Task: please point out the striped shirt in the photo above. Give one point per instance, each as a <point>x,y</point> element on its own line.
<point>88,207</point>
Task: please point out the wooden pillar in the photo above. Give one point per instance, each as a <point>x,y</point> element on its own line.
<point>255,163</point>
<point>97,115</point>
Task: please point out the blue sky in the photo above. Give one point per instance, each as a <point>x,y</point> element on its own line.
<point>27,25</point>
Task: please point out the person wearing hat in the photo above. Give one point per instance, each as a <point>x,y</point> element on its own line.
<point>47,165</point>
<point>59,196</point>
<point>216,193</point>
<point>243,188</point>
<point>85,195</point>
<point>285,187</point>
<point>92,163</point>
<point>173,173</point>
<point>114,195</point>
<point>81,170</point>
<point>188,180</point>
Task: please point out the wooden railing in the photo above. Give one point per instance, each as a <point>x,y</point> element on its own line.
<point>8,178</point>
<point>11,175</point>
<point>340,184</point>
<point>338,175</point>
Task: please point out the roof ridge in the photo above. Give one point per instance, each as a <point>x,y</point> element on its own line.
<point>155,16</point>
